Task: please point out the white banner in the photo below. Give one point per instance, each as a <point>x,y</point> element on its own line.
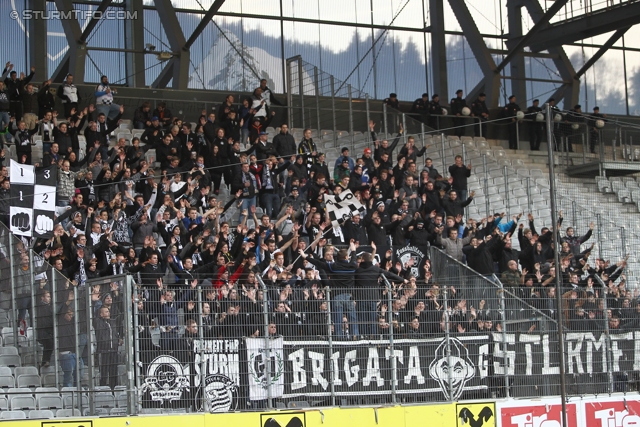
<point>259,359</point>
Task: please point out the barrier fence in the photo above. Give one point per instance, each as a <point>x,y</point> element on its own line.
<point>440,333</point>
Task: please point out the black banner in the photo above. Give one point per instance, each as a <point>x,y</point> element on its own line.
<point>367,367</point>
<point>225,374</point>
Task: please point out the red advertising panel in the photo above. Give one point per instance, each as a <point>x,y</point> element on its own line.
<point>614,413</point>
<point>537,415</point>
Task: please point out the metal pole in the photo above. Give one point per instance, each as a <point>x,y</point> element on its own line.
<point>464,154</point>
<point>607,333</point>
<point>601,144</point>
<point>624,142</point>
<point>517,134</point>
<point>486,184</point>
<point>33,318</point>
<point>504,336</point>
<point>14,307</point>
<point>265,312</point>
<point>76,331</point>
<point>445,290</point>
<point>394,373</point>
<point>404,127</point>
<point>444,154</point>
<point>480,125</point>
<point>529,194</point>
<point>203,365</point>
<point>599,225</point>
<point>133,378</point>
<point>613,143</point>
<point>334,374</point>
<point>556,258</point>
<point>54,305</point>
<point>333,108</point>
<point>506,188</point>
<point>584,150</point>
<point>422,132</point>
<point>90,364</point>
<point>366,103</point>
<point>623,239</point>
<point>289,95</point>
<point>317,83</point>
<point>301,80</point>
<point>350,95</point>
<point>384,118</point>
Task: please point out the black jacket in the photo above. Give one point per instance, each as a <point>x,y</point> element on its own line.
<point>356,232</point>
<point>366,277</point>
<point>480,259</point>
<point>106,335</point>
<point>340,272</point>
<point>285,144</point>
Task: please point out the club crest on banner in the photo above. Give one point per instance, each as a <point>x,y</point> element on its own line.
<point>411,257</point>
<point>220,393</point>
<point>166,380</point>
<point>258,367</point>
<point>458,366</point>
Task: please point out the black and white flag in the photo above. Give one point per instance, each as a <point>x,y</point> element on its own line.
<point>33,195</point>
<point>341,207</point>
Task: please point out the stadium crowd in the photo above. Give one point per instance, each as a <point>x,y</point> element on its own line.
<point>227,203</point>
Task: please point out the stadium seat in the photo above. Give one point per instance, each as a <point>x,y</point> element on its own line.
<point>26,370</point>
<point>49,380</point>
<point>9,350</point>
<point>4,403</point>
<point>298,404</point>
<point>65,413</point>
<point>126,135</point>
<point>624,196</point>
<point>23,403</point>
<point>10,360</point>
<point>7,381</point>
<point>118,411</point>
<point>40,413</point>
<point>13,415</point>
<point>28,381</point>
<point>71,398</point>
<point>126,124</point>
<point>104,400</point>
<point>121,401</point>
<point>49,402</point>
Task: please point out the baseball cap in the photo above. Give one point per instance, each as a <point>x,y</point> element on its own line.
<point>367,150</point>
<point>264,133</point>
<point>294,188</point>
<point>154,118</point>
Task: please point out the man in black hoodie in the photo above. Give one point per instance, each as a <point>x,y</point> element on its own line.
<point>284,143</point>
<point>341,279</point>
<point>368,292</point>
<point>107,339</point>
